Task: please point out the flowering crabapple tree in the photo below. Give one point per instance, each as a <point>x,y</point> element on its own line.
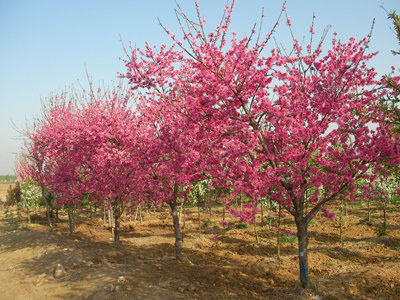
<point>105,141</point>
<point>169,157</point>
<point>280,125</point>
<point>87,144</point>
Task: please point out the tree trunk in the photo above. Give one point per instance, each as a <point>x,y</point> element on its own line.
<point>47,209</point>
<point>109,218</point>
<point>117,216</point>
<point>278,234</point>
<point>28,215</point>
<point>369,209</point>
<point>70,221</point>
<point>341,223</point>
<point>255,231</point>
<point>262,214</point>
<point>302,237</point>
<point>384,217</point>
<point>177,230</point>
<point>136,213</point>
<point>140,214</point>
<point>210,208</point>
<point>199,217</point>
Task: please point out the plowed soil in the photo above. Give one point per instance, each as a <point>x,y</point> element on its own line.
<point>219,264</point>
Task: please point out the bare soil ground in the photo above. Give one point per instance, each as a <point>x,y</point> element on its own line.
<point>221,264</point>
<point>3,189</point>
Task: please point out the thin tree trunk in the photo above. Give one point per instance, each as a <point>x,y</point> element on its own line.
<point>199,217</point>
<point>341,223</point>
<point>140,213</point>
<point>109,218</point>
<point>302,237</point>
<point>262,213</point>
<point>369,209</point>
<point>117,218</point>
<point>223,213</point>
<point>70,221</point>
<point>104,216</point>
<point>47,209</point>
<point>175,218</point>
<point>255,231</point>
<point>278,234</point>
<point>384,217</point>
<point>28,215</point>
<point>136,213</point>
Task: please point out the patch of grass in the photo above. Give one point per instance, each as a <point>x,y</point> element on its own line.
<point>12,227</point>
<point>9,214</point>
<point>366,222</point>
<point>241,226</point>
<point>380,231</point>
<point>289,239</point>
<point>206,224</point>
<point>270,220</point>
<point>330,264</point>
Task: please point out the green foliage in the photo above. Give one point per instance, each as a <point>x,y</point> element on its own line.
<point>9,214</point>
<point>241,226</point>
<point>271,220</point>
<point>289,239</point>
<point>380,230</point>
<point>30,195</point>
<point>396,24</point>
<point>206,224</point>
<point>13,195</point>
<point>391,103</point>
<point>329,264</point>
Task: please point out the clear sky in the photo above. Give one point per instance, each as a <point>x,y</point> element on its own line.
<point>45,44</point>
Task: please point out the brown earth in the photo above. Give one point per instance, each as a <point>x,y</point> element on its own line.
<point>4,188</point>
<point>221,264</point>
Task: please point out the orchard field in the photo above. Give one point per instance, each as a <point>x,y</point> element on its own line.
<point>224,167</point>
<point>222,263</point>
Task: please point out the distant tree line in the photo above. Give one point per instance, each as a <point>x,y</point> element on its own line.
<point>7,179</point>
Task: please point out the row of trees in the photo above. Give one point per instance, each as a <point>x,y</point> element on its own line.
<point>300,128</point>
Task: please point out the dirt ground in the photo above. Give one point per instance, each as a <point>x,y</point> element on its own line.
<point>3,189</point>
<point>221,264</point>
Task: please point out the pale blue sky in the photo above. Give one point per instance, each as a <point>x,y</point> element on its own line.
<point>45,44</point>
